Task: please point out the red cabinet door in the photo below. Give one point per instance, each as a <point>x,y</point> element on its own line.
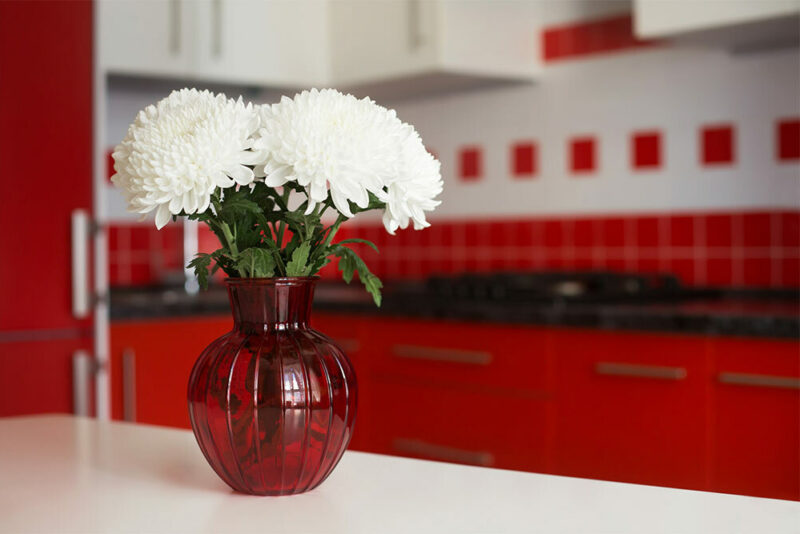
<point>164,351</point>
<point>46,173</point>
<point>757,418</point>
<point>351,333</point>
<point>632,408</point>
<point>459,424</point>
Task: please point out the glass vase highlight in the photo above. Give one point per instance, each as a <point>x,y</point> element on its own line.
<point>272,402</point>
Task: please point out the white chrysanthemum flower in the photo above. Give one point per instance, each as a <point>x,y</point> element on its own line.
<point>177,152</point>
<point>414,190</point>
<point>327,141</point>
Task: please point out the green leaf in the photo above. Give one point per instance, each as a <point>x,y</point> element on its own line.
<point>255,262</point>
<point>363,241</point>
<point>297,266</point>
<point>349,262</point>
<point>200,264</point>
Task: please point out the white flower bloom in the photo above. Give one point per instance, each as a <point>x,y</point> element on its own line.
<point>414,190</point>
<point>326,141</point>
<point>177,152</point>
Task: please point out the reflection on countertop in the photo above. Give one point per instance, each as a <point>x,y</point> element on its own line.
<point>588,300</point>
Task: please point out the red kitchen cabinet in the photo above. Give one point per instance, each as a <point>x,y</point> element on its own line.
<point>163,352</point>
<point>351,333</point>
<point>756,425</point>
<point>632,408</point>
<point>46,173</point>
<point>459,424</point>
<point>461,392</point>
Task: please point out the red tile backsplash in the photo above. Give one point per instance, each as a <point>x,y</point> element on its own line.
<point>524,159</point>
<point>646,150</point>
<point>754,248</point>
<point>589,38</point>
<point>788,142</point>
<point>582,154</point>
<point>717,144</point>
<point>470,163</point>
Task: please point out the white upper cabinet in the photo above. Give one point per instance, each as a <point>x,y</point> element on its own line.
<point>381,46</point>
<point>402,47</point>
<point>152,37</point>
<point>279,43</point>
<point>735,23</point>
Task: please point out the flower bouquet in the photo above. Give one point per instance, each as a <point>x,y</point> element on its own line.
<point>273,402</point>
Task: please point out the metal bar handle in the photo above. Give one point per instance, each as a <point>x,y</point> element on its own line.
<point>415,352</point>
<point>441,452</point>
<point>79,238</point>
<point>216,28</point>
<point>175,27</point>
<point>81,379</point>
<point>129,385</point>
<point>764,381</point>
<point>642,371</point>
<point>415,39</point>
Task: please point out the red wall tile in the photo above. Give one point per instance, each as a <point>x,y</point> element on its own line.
<point>524,159</point>
<point>647,231</point>
<point>788,139</point>
<point>589,38</point>
<point>646,150</point>
<point>681,231</point>
<point>718,230</point>
<point>582,154</point>
<point>717,144</point>
<point>470,164</point>
<point>756,228</point>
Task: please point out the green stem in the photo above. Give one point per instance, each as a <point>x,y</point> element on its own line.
<point>226,231</point>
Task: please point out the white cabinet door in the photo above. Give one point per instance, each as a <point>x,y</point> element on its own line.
<point>278,43</point>
<point>378,40</point>
<point>146,37</point>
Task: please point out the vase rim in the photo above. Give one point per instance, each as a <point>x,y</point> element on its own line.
<point>274,280</point>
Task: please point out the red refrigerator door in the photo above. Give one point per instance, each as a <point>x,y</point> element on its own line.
<point>45,173</point>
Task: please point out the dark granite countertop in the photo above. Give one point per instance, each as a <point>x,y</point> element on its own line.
<point>770,314</point>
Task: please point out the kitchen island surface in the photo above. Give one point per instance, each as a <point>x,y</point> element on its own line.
<point>65,474</point>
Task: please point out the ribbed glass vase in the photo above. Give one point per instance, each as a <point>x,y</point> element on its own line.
<point>272,402</point>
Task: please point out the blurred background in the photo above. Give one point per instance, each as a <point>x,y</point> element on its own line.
<point>609,288</point>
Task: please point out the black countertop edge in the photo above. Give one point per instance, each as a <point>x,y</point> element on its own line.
<point>666,315</point>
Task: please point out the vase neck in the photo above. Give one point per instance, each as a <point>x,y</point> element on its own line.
<point>262,304</point>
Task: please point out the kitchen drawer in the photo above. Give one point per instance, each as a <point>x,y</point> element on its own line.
<point>756,429</point>
<point>494,358</point>
<point>633,408</point>
<point>460,426</point>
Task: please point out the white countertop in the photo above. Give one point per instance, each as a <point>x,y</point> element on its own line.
<point>65,474</point>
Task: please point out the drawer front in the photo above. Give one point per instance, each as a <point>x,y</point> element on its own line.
<point>460,426</point>
<point>756,429</point>
<point>633,408</point>
<point>497,359</point>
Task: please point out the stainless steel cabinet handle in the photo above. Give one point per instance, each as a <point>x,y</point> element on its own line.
<point>79,238</point>
<point>441,452</point>
<point>414,30</point>
<point>129,385</point>
<point>81,379</point>
<point>764,381</point>
<point>643,371</point>
<point>348,345</point>
<point>216,28</point>
<point>414,352</point>
<point>175,27</point>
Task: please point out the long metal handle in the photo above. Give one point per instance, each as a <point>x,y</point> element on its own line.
<point>441,452</point>
<point>81,379</point>
<point>642,371</point>
<point>348,345</point>
<point>175,27</point>
<point>80,228</point>
<point>216,28</point>
<point>129,385</point>
<point>470,357</point>
<point>414,31</point>
<point>764,381</point>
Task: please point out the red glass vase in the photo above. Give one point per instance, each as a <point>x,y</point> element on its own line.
<point>272,402</point>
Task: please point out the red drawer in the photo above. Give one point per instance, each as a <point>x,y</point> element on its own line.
<point>493,358</point>
<point>460,426</point>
